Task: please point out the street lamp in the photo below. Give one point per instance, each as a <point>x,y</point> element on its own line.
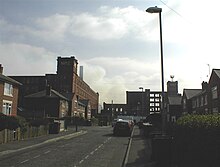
<point>159,10</point>
<point>142,101</point>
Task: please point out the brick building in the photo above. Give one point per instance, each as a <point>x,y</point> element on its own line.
<point>9,89</point>
<point>207,101</point>
<point>66,81</point>
<point>46,103</point>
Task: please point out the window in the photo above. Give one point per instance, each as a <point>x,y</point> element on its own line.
<point>197,102</point>
<point>206,100</point>
<point>215,110</point>
<point>202,101</point>
<point>8,89</point>
<point>157,104</point>
<point>184,103</point>
<point>194,103</point>
<point>214,92</point>
<point>7,107</point>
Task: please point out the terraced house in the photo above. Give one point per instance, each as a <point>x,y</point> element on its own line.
<point>205,100</point>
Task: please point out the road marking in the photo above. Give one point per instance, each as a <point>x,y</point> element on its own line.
<point>87,157</point>
<point>96,149</point>
<point>47,152</point>
<point>24,161</point>
<point>100,146</point>
<point>36,156</point>
<point>81,161</point>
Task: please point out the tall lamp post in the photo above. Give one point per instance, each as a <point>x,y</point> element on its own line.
<point>159,10</point>
<point>142,101</point>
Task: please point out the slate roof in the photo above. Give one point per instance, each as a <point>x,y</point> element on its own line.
<point>9,80</point>
<point>191,92</point>
<point>217,71</point>
<point>175,100</point>
<point>54,94</point>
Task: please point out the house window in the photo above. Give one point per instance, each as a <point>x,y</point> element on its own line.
<point>7,107</point>
<point>206,100</point>
<point>197,103</point>
<point>215,110</point>
<point>194,103</point>
<point>184,103</point>
<point>173,118</point>
<point>214,93</point>
<point>202,101</point>
<point>8,89</point>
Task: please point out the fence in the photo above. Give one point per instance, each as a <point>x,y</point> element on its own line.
<point>7,135</point>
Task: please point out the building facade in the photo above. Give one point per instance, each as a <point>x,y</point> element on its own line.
<point>9,89</point>
<point>138,102</point>
<point>207,101</point>
<point>66,81</point>
<point>46,104</point>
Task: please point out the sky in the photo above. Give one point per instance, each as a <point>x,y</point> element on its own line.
<point>116,41</point>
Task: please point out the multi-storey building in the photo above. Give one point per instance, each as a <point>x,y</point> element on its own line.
<point>155,101</point>
<point>138,102</point>
<point>115,110</point>
<point>66,81</point>
<point>8,94</point>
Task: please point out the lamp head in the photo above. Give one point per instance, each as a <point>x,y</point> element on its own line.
<point>154,10</point>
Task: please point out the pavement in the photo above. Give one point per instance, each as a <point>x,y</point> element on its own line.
<point>16,146</point>
<point>139,153</point>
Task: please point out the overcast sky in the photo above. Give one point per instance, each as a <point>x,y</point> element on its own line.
<point>116,41</point>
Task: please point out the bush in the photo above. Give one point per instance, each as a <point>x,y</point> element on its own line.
<point>197,139</point>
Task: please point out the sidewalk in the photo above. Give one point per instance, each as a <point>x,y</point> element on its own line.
<point>15,146</point>
<point>140,151</point>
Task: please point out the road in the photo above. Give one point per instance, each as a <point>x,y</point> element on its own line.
<point>97,148</point>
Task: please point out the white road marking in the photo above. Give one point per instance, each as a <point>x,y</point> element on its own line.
<point>81,161</point>
<point>24,161</point>
<point>36,156</point>
<point>87,157</point>
<point>47,152</point>
<point>92,152</point>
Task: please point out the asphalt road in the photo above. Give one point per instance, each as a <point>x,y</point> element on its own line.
<point>96,148</point>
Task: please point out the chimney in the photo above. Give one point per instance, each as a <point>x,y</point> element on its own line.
<point>1,69</point>
<point>81,72</point>
<point>204,85</point>
<point>48,90</point>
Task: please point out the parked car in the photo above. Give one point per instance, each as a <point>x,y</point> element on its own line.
<point>114,122</point>
<point>122,127</point>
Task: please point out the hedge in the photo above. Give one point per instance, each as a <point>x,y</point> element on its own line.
<point>8,122</point>
<point>197,140</point>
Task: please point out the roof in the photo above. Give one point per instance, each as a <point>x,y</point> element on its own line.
<point>191,92</point>
<point>175,100</point>
<point>217,71</point>
<point>54,94</point>
<point>9,80</point>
